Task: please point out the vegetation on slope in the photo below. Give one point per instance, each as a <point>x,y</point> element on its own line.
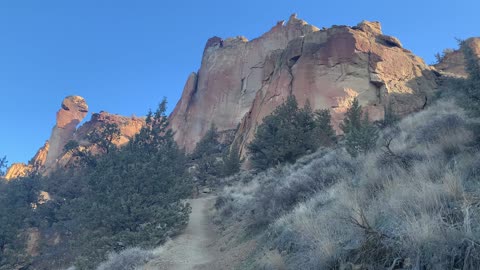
<point>289,133</point>
<point>131,196</point>
<point>407,201</point>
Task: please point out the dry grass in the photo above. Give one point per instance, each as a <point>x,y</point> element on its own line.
<point>414,202</point>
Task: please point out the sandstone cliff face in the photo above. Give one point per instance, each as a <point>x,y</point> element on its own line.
<point>453,63</point>
<point>241,81</point>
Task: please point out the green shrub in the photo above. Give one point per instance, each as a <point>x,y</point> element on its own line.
<point>3,165</point>
<point>232,161</point>
<point>284,136</point>
<point>207,155</point>
<point>133,196</point>
<point>360,135</point>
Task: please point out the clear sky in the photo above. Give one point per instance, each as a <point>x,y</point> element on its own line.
<point>124,56</point>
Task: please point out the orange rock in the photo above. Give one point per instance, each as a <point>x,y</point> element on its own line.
<point>129,127</point>
<point>71,113</point>
<point>240,82</point>
<point>453,62</point>
<point>17,170</point>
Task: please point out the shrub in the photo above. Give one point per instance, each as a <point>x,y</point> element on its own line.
<point>129,259</point>
<point>3,165</point>
<point>284,136</point>
<point>324,132</point>
<point>232,161</point>
<point>333,211</point>
<point>207,155</point>
<point>105,137</point>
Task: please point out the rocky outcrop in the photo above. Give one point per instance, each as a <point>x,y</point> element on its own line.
<point>241,81</point>
<point>129,127</point>
<point>71,113</point>
<point>453,62</point>
<point>52,155</point>
<point>34,165</point>
<point>17,170</point>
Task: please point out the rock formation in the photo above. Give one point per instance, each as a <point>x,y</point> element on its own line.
<point>72,112</point>
<point>453,62</point>
<point>129,126</point>
<point>242,81</point>
<point>34,165</point>
<point>17,170</point>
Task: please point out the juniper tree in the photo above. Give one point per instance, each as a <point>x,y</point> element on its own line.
<point>207,155</point>
<point>360,134</point>
<point>324,133</point>
<point>472,86</point>
<point>284,136</point>
<point>105,136</point>
<point>353,117</point>
<point>232,161</point>
<point>3,165</point>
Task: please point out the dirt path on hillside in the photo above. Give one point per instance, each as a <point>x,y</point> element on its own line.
<point>190,250</point>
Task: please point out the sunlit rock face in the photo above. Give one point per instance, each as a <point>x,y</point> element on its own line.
<point>453,62</point>
<point>240,82</point>
<point>53,155</point>
<point>17,170</point>
<point>71,113</point>
<point>129,127</point>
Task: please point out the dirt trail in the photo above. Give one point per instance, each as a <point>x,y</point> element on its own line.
<point>190,250</point>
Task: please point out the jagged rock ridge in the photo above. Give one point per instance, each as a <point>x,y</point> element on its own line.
<point>242,81</point>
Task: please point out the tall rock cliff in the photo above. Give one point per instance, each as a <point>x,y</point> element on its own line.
<point>242,81</point>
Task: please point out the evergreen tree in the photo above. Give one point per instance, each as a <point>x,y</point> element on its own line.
<point>324,133</point>
<point>360,135</point>
<point>305,120</point>
<point>3,165</point>
<point>207,156</point>
<point>71,145</point>
<point>105,136</point>
<point>132,197</point>
<point>472,85</point>
<point>208,145</point>
<point>232,161</point>
<point>284,136</point>
<point>353,118</point>
<point>389,117</point>
<point>16,215</point>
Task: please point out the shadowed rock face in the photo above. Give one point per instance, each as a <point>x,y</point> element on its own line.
<point>240,82</point>
<point>453,62</point>
<point>71,113</point>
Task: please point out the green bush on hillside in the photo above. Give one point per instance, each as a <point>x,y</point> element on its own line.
<point>130,197</point>
<point>289,133</point>
<point>360,135</point>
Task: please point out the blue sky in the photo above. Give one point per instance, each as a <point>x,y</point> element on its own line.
<point>124,56</point>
